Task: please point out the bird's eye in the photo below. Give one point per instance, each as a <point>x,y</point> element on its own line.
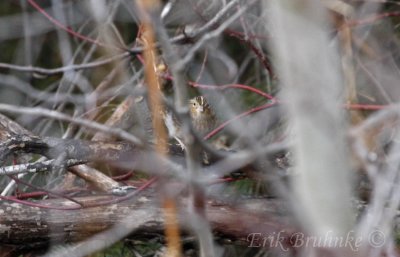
<point>194,103</point>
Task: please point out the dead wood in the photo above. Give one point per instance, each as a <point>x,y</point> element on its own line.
<point>36,227</point>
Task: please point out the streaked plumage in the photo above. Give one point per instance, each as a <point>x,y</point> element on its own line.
<point>202,116</point>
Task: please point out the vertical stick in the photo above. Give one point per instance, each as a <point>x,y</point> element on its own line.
<point>154,97</point>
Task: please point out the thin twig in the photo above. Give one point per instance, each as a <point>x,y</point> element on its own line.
<point>38,111</point>
<point>189,56</point>
<point>64,68</point>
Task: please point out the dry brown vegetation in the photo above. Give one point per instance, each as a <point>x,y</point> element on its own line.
<point>302,160</point>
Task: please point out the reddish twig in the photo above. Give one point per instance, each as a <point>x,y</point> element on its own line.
<point>240,86</point>
<point>241,34</point>
<point>224,124</point>
<point>18,181</point>
<point>258,52</point>
<point>370,107</point>
<point>38,194</point>
<point>123,176</point>
<point>68,30</point>
<point>372,19</point>
<point>76,207</point>
<point>32,204</point>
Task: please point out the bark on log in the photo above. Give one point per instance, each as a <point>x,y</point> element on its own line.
<point>35,227</point>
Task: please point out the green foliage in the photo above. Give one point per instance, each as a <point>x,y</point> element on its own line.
<point>117,250</point>
<point>129,248</point>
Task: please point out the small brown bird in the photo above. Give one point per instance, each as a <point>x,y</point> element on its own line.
<point>202,116</point>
